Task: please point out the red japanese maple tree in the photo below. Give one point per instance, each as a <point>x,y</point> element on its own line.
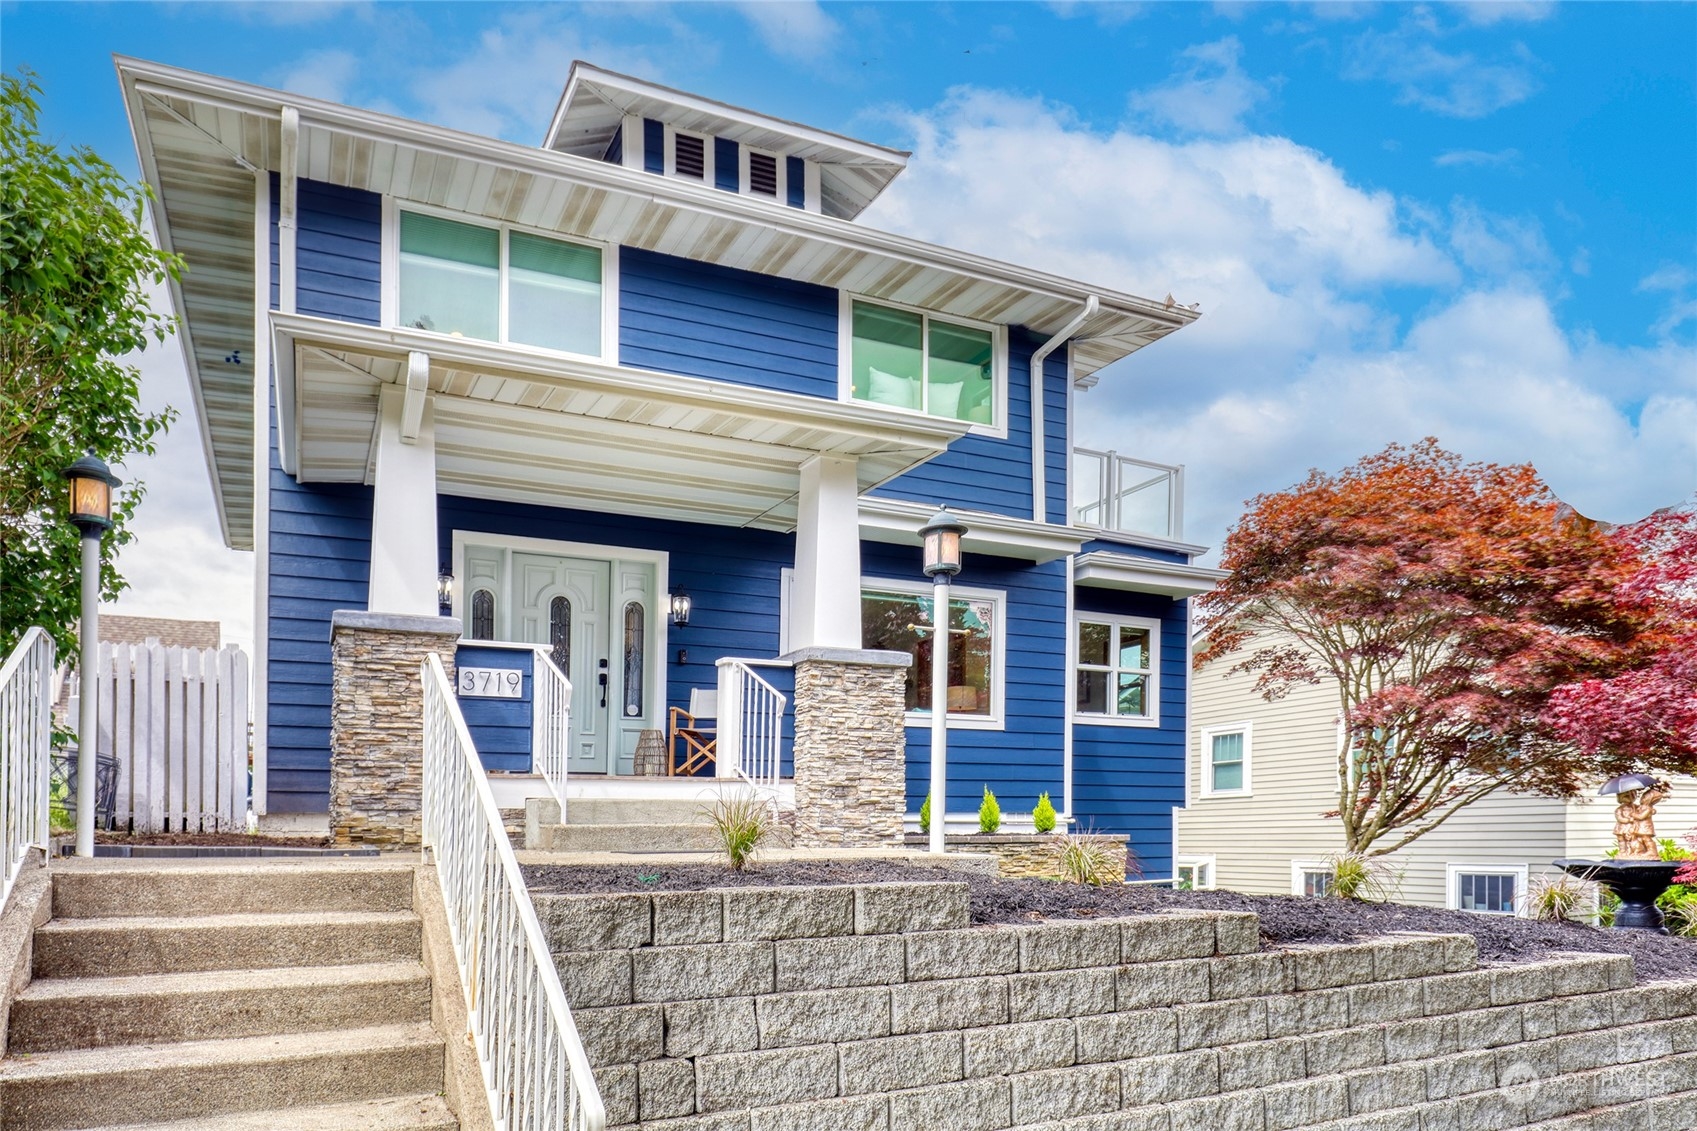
<point>1446,601</point>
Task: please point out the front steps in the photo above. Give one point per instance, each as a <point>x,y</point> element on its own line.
<point>247,997</point>
<point>626,825</point>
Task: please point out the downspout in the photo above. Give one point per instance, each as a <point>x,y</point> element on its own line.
<point>1039,474</point>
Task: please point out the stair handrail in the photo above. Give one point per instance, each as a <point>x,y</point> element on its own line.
<point>550,733</point>
<point>751,724</point>
<point>534,1066</point>
<point>26,750</point>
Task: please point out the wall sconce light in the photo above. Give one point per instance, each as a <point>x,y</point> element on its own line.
<point>680,607</point>
<point>445,591</point>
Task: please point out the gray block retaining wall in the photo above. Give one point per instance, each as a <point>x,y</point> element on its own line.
<point>877,1008</point>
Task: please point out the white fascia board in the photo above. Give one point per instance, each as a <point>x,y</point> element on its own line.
<point>1103,569</point>
<point>283,365</point>
<point>898,521</point>
<point>1142,541</point>
<point>367,124</point>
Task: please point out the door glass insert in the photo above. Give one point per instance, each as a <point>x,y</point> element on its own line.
<point>560,633</point>
<point>634,661</point>
<point>482,615</point>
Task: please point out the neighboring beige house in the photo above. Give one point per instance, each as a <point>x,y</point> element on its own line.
<point>1259,775</point>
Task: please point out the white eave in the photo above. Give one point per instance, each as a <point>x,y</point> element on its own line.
<point>898,521</point>
<point>1104,569</point>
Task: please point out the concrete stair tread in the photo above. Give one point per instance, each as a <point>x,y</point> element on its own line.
<point>400,1113</point>
<point>69,1065</point>
<point>241,919</point>
<point>211,981</point>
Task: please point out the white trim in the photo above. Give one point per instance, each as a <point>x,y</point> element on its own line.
<point>390,284</point>
<point>631,157</point>
<point>1205,753</point>
<point>1210,862</point>
<point>1119,620</point>
<point>1039,430</point>
<point>1298,867</point>
<point>261,486</point>
<point>288,209</point>
<point>708,162</point>
<point>997,718</point>
<point>996,429</point>
<point>1105,569</point>
<point>745,178</point>
<point>1452,885</point>
<point>1069,654</point>
<point>812,199</point>
<point>898,521</point>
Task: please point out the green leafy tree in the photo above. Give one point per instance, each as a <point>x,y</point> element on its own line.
<point>75,262</point>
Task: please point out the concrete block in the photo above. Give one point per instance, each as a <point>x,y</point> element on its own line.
<point>1166,938</point>
<point>1538,1019</point>
<point>1395,1085</point>
<point>1348,1050</point>
<point>823,1016</point>
<point>765,1079</point>
<point>721,1121</point>
<point>973,1105</point>
<point>971,953</point>
<point>1061,993</point>
<point>1251,975</point>
<point>1242,1112</point>
<point>1490,1028</point>
<point>1682,1034</point>
<point>1304,1103</point>
<point>1211,1024</point>
<point>1648,1003</point>
<point>855,1113</point>
<point>824,964</point>
<point>1410,956</point>
<point>1007,1050</point>
<point>1143,1119</point>
<point>1126,1036</point>
<point>924,1007</point>
<point>1456,993</point>
<point>1450,1076</point>
<point>1161,983</point>
<point>1531,982</point>
<point>1386,1001</point>
<point>758,914</point>
<point>1590,974</point>
<point>1580,1052</point>
<point>594,922</point>
<point>1420,1039</point>
<point>1312,1012</point>
<point>1621,974</point>
<point>1065,945</point>
<point>894,1063</point>
<point>1324,967</point>
<point>1166,1079</point>
<point>594,977</point>
<point>1584,1013</point>
<point>621,1034</point>
<point>706,1026</point>
<point>682,918</point>
<point>1236,932</point>
<point>676,973</point>
<point>1262,1063</point>
<point>1063,1093</point>
<point>905,908</point>
<point>665,1089</point>
<point>617,1085</point>
<point>1490,1111</point>
<point>1461,953</point>
<point>1551,1099</point>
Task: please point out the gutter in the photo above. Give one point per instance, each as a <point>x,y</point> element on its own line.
<point>1039,446</point>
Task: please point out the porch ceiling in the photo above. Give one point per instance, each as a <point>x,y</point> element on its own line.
<point>512,424</point>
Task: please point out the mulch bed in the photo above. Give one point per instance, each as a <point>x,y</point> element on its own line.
<point>222,840</point>
<point>1284,918</point>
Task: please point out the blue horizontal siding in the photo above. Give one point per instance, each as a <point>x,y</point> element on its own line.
<point>500,728</point>
<point>1107,541</point>
<point>718,323</point>
<point>727,164</point>
<point>1056,456</point>
<point>653,145</point>
<point>795,182</point>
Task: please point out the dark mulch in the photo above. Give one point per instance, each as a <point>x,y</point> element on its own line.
<point>1284,918</point>
<point>243,840</point>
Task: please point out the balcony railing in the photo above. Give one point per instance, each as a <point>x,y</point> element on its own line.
<point>1126,495</point>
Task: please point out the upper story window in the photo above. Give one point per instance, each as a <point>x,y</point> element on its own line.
<point>912,360</point>
<point>1118,673</point>
<point>499,285</point>
<point>1225,759</point>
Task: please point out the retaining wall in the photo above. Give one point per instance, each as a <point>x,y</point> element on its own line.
<point>877,1008</point>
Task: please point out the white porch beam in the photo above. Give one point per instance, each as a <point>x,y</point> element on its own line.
<point>418,388</point>
<point>403,512</point>
<point>287,208</point>
<point>825,611</point>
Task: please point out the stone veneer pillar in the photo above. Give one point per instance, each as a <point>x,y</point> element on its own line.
<point>850,746</point>
<point>377,723</point>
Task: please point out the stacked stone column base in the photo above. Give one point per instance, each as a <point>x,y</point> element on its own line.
<point>850,747</point>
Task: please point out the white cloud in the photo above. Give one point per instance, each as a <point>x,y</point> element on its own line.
<point>1481,158</point>
<point>1454,84</point>
<point>1680,287</point>
<point>327,74</point>
<point>1209,92</point>
<point>1485,13</point>
<point>796,29</point>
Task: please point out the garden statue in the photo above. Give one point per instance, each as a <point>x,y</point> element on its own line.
<point>1637,873</point>
<point>1635,815</point>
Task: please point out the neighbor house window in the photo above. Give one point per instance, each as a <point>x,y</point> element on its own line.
<point>908,359</point>
<point>1486,889</point>
<point>1225,759</point>
<point>496,285</point>
<point>1118,661</point>
<point>897,618</point>
<point>1194,873</point>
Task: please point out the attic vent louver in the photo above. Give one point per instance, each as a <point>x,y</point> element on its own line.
<point>691,157</point>
<point>763,174</point>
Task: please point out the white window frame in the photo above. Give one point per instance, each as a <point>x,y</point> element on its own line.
<point>1209,864</point>
<point>997,428</point>
<point>1300,867</point>
<point>390,289</point>
<point>1153,627</point>
<point>745,182</point>
<point>997,718</point>
<point>1452,886</point>
<point>708,171</point>
<point>1206,750</point>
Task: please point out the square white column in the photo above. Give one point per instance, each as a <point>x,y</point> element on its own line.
<point>403,511</point>
<point>825,602</point>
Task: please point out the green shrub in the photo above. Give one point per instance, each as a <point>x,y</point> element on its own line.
<point>1355,875</point>
<point>989,813</point>
<point>925,815</point>
<point>742,822</point>
<point>1043,817</point>
<point>1086,860</point>
<point>1559,897</point>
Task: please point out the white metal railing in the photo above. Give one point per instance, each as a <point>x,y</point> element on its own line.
<point>534,1066</point>
<point>1133,496</point>
<point>550,725</point>
<point>751,725</point>
<point>26,743</point>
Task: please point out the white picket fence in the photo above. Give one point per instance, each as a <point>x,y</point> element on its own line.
<point>176,719</point>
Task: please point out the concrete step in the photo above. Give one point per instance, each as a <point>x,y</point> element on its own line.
<point>402,1113</point>
<point>93,948</point>
<point>640,810</point>
<point>152,889</point>
<point>83,1088</point>
<point>638,838</point>
<point>76,1013</point>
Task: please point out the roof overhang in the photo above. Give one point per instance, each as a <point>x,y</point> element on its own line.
<point>1104,569</point>
<point>898,521</point>
<point>512,423</point>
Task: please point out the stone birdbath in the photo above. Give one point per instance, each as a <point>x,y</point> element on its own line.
<point>1636,874</point>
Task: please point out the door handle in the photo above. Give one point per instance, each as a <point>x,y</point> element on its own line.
<point>602,678</point>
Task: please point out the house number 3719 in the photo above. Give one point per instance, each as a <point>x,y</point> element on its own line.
<point>491,683</point>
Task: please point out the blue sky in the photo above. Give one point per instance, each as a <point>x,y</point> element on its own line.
<point>1472,220</point>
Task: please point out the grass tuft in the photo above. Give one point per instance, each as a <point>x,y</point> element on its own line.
<point>743,822</point>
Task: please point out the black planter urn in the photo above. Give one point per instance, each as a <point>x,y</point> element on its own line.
<point>1638,883</point>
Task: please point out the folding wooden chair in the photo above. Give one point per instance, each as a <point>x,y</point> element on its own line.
<point>699,741</point>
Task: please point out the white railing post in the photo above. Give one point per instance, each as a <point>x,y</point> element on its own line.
<point>550,724</point>
<point>26,743</point>
<point>751,725</point>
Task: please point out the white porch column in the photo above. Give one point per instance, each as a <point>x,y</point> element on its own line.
<point>403,511</point>
<point>825,603</point>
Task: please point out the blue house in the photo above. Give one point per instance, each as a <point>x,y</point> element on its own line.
<point>646,408</point>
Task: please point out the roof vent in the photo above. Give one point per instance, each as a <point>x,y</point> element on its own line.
<point>763,174</point>
<point>691,156</point>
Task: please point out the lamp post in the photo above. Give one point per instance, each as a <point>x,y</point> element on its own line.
<point>91,484</point>
<point>942,561</point>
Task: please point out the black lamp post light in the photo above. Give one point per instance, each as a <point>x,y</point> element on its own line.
<point>91,484</point>
<point>942,537</point>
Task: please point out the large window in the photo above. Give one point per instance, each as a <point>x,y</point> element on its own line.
<point>897,618</point>
<point>1117,678</point>
<point>907,359</point>
<point>496,285</point>
<point>1225,759</point>
<point>1487,889</point>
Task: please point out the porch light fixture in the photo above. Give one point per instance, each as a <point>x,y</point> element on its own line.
<point>91,483</point>
<point>942,561</point>
<point>445,591</point>
<point>680,603</point>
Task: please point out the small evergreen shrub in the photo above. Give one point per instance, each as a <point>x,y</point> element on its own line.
<point>989,813</point>
<point>1043,817</point>
<point>925,815</point>
<point>1559,897</point>
<point>743,823</point>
